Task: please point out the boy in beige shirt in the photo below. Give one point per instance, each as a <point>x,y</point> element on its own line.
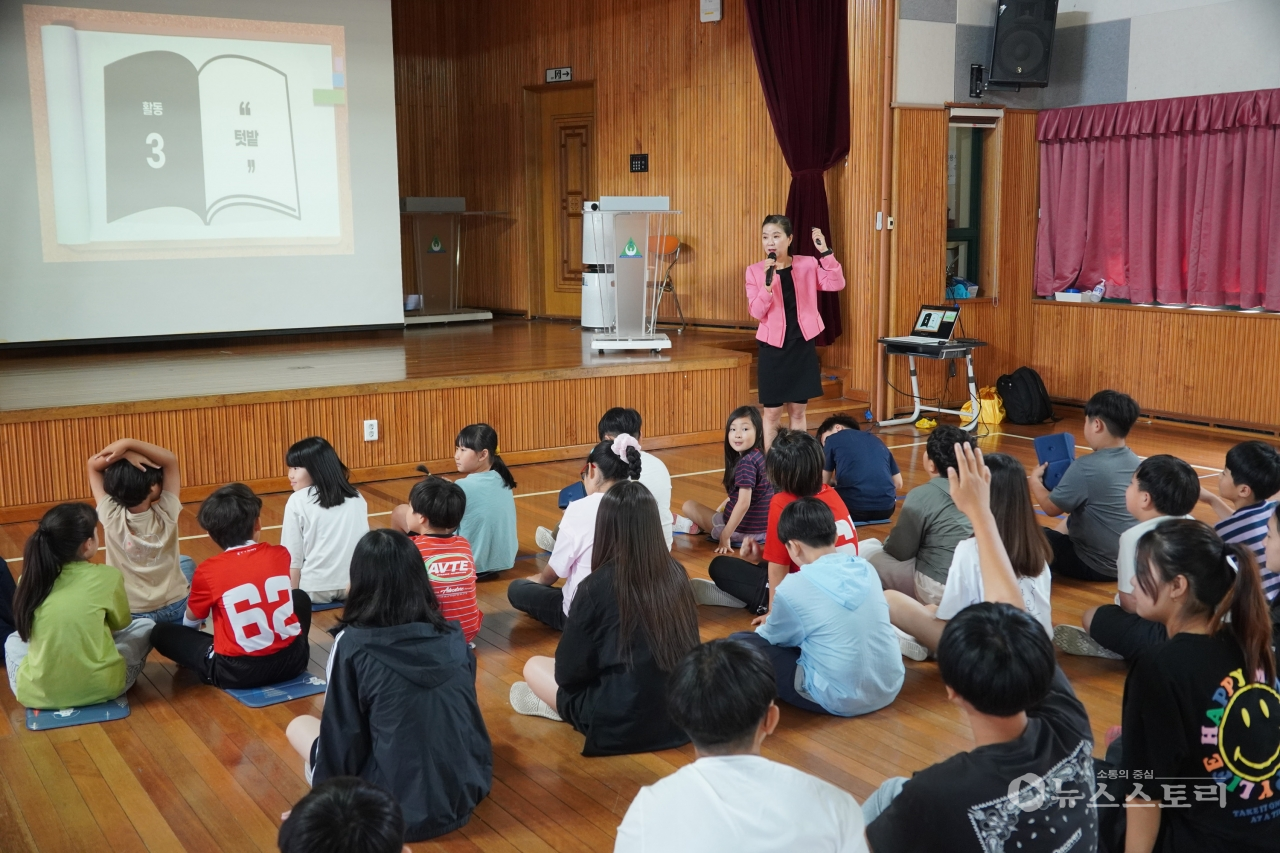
<point>135,486</point>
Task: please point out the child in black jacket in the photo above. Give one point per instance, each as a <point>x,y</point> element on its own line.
<point>401,709</point>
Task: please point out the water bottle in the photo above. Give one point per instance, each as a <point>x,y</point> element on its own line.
<point>1098,292</point>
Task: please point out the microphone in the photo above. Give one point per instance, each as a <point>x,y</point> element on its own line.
<point>768,274</point>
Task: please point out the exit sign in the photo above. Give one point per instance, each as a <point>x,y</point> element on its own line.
<point>559,75</point>
<point>639,162</point>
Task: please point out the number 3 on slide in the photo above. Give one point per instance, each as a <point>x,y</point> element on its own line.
<point>156,141</point>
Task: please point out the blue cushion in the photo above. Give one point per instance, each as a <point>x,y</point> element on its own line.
<point>305,684</point>
<point>331,605</point>
<point>115,709</point>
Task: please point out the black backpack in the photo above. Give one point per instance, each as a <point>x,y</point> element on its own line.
<point>1026,401</point>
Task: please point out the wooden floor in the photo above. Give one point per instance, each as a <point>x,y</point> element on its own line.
<point>191,769</point>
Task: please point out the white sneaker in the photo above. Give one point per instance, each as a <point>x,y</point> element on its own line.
<point>910,646</point>
<point>684,525</point>
<point>705,592</point>
<point>1076,641</point>
<point>525,701</point>
<point>545,539</point>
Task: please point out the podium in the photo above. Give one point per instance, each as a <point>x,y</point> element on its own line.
<point>636,237</point>
<point>436,226</point>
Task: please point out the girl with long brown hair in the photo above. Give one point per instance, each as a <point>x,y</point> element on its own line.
<point>920,626</point>
<point>633,620</point>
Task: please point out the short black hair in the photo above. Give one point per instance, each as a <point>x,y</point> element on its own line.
<point>808,521</point>
<point>794,463</point>
<point>941,446</point>
<point>1173,485</point>
<point>439,501</point>
<point>832,422</point>
<point>618,420</point>
<point>1118,412</point>
<point>719,693</point>
<point>343,815</point>
<point>997,658</point>
<point>228,515</point>
<point>1255,464</point>
<point>128,485</point>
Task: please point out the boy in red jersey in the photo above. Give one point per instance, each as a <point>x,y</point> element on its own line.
<point>259,625</point>
<point>435,511</point>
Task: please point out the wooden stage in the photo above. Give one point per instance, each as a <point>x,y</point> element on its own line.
<point>230,409</point>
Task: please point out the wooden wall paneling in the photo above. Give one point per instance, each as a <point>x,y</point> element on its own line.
<point>247,442</point>
<point>918,253</point>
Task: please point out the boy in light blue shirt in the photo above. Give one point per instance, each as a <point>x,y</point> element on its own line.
<point>828,633</point>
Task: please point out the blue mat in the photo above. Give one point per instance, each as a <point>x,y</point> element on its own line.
<point>865,523</point>
<point>116,709</point>
<point>331,605</point>
<point>273,694</point>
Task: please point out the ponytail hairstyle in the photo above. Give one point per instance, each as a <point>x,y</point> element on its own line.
<point>653,591</point>
<point>481,437</point>
<point>56,541</point>
<point>618,459</point>
<point>1022,535</point>
<point>732,456</point>
<point>326,470</point>
<point>1223,578</point>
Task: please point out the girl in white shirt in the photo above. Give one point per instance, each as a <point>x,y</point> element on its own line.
<point>323,520</point>
<point>920,626</point>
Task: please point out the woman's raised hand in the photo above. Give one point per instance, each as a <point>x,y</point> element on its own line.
<point>819,242</point>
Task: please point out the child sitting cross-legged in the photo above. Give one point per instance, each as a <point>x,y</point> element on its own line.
<point>921,626</point>
<point>135,486</point>
<point>745,512</point>
<point>74,641</point>
<point>732,799</point>
<point>1028,783</point>
<point>400,710</point>
<point>917,554</point>
<point>260,622</point>
<point>860,467</point>
<point>1249,479</point>
<point>828,633</point>
<point>324,518</point>
<point>1162,489</point>
<point>436,506</point>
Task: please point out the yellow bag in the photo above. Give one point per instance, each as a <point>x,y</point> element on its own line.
<point>991,409</point>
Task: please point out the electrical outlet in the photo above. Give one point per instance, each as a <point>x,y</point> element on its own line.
<point>370,430</point>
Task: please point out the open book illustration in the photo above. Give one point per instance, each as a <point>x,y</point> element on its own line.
<point>158,137</point>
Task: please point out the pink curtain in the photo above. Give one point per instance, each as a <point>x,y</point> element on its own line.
<point>1172,201</point>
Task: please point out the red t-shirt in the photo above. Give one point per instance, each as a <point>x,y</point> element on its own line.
<point>846,533</point>
<point>249,593</point>
<point>452,571</point>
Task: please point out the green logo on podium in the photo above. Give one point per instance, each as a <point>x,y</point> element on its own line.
<point>630,251</point>
<point>436,245</point>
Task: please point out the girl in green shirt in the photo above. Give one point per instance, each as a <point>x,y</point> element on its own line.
<point>75,642</point>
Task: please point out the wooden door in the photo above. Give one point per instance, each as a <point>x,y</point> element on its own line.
<point>567,179</point>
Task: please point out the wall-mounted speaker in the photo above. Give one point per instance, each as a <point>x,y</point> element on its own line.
<point>1024,42</point>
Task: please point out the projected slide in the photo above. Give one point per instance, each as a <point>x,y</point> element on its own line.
<point>166,137</point>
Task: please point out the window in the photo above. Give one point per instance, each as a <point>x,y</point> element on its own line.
<point>964,202</point>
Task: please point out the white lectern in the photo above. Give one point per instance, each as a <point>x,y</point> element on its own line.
<point>636,236</point>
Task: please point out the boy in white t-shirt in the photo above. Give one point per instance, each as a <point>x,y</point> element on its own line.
<point>1164,487</point>
<point>732,799</point>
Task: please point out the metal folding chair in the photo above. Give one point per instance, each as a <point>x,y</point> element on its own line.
<point>666,250</point>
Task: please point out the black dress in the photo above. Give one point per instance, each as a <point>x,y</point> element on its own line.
<point>789,373</point>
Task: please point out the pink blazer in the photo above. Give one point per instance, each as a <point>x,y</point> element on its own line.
<point>809,275</point>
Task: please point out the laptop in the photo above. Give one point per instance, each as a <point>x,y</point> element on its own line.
<point>934,325</point>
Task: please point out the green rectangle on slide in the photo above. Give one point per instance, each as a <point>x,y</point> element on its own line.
<point>329,96</point>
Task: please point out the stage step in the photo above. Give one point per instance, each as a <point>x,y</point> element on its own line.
<point>832,388</point>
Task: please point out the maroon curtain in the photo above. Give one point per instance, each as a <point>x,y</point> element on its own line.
<point>1172,201</point>
<point>802,54</point>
